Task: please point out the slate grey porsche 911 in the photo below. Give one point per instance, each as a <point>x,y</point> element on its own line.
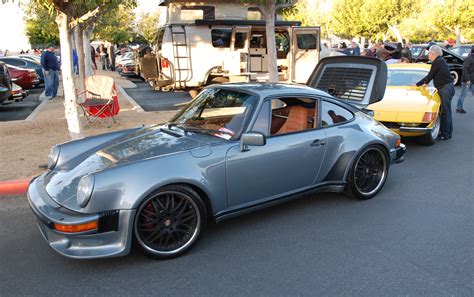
<point>235,148</point>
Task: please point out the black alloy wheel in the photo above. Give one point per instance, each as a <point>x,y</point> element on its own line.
<point>368,173</point>
<point>169,222</point>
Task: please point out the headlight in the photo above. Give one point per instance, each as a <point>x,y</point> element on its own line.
<point>53,156</point>
<point>84,190</point>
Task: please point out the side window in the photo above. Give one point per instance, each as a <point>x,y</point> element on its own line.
<point>12,62</point>
<point>263,119</point>
<point>282,40</point>
<point>254,13</point>
<point>332,114</point>
<point>22,63</point>
<point>307,41</point>
<point>221,37</point>
<point>240,39</point>
<point>293,115</point>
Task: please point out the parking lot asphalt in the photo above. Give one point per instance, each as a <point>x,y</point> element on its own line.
<point>21,110</point>
<point>415,238</point>
<point>151,100</point>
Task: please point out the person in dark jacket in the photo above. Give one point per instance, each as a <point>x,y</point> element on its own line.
<point>50,65</point>
<point>443,82</point>
<point>467,80</point>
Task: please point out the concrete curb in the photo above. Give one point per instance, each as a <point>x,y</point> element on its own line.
<point>132,101</point>
<point>38,108</point>
<point>14,187</point>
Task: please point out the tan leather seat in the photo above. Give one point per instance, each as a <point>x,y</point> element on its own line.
<point>297,120</point>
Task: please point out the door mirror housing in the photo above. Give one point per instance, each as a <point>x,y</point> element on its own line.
<point>251,138</point>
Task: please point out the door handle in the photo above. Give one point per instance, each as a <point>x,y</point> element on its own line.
<point>318,142</point>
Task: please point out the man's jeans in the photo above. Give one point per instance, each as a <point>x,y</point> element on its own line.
<point>446,93</point>
<point>51,81</point>
<point>464,88</point>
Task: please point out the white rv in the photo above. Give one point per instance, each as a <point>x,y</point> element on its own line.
<point>201,43</point>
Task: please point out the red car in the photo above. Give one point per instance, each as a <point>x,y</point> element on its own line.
<point>25,78</point>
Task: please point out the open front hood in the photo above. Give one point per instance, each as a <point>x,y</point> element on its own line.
<point>357,80</point>
<point>61,185</point>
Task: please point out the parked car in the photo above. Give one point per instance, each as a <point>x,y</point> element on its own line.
<point>18,94</point>
<point>462,50</point>
<point>5,83</point>
<point>453,60</point>
<point>407,109</point>
<point>127,68</point>
<point>25,63</point>
<point>32,57</point>
<point>235,148</point>
<point>25,78</point>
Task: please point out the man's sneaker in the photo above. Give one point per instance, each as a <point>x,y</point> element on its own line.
<point>460,110</point>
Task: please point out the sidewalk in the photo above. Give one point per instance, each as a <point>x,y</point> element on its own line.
<point>25,144</point>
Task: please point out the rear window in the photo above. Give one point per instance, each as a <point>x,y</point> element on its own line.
<point>404,77</point>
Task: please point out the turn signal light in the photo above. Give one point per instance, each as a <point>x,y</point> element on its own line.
<point>397,143</point>
<point>77,228</point>
<point>428,117</point>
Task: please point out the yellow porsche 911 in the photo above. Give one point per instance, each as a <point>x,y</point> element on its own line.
<point>407,109</point>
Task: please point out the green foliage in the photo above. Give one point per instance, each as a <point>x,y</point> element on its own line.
<point>147,26</point>
<point>40,26</point>
<point>116,25</point>
<point>454,14</point>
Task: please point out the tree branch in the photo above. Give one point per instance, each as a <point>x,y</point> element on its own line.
<point>91,14</point>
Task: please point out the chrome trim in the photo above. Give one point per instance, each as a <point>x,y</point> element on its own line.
<point>415,129</point>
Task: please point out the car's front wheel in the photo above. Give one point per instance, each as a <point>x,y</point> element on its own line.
<point>430,137</point>
<point>169,222</point>
<point>455,76</point>
<point>368,173</point>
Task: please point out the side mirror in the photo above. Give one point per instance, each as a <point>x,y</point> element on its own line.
<point>251,138</point>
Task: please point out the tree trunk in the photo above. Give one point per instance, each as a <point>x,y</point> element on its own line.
<point>87,50</point>
<point>271,45</point>
<point>395,31</point>
<point>457,31</point>
<point>78,39</point>
<point>70,99</point>
<point>362,45</point>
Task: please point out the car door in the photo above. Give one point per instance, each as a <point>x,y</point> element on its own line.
<point>286,164</point>
<point>359,81</point>
<point>305,48</point>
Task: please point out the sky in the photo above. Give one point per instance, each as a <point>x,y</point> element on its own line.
<point>12,36</point>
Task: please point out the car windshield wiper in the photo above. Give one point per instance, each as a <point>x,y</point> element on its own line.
<point>205,130</point>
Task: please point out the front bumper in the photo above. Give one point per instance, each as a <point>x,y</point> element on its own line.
<point>83,245</point>
<point>415,129</point>
<point>396,154</point>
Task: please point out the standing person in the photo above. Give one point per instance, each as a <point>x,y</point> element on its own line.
<point>406,52</point>
<point>443,82</point>
<point>93,57</point>
<point>467,80</point>
<point>355,49</point>
<point>50,65</point>
<point>111,52</point>
<point>102,56</point>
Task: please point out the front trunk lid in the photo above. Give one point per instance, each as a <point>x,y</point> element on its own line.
<point>359,81</point>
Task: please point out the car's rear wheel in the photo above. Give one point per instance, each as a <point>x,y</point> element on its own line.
<point>169,222</point>
<point>455,76</point>
<point>368,173</point>
<point>430,137</point>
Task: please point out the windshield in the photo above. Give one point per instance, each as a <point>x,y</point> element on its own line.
<point>405,77</point>
<point>217,112</point>
<point>461,51</point>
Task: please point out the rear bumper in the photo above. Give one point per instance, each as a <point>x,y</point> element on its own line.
<point>83,245</point>
<point>397,154</point>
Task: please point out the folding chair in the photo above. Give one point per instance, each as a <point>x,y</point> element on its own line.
<point>101,100</point>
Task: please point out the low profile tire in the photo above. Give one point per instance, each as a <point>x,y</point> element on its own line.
<point>368,173</point>
<point>168,222</point>
<point>430,138</point>
<point>455,76</point>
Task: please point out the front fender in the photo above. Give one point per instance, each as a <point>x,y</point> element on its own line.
<point>125,187</point>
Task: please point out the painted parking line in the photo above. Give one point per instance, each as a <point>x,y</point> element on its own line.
<point>14,187</point>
